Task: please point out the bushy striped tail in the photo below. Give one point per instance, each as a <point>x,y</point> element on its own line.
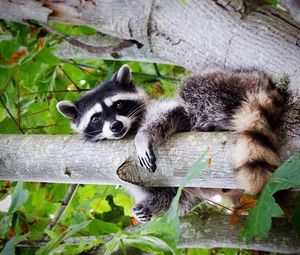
<point>255,153</point>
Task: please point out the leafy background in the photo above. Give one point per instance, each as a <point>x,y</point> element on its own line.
<point>32,81</point>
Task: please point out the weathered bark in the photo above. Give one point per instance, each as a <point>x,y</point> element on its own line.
<point>196,35</point>
<point>67,159</point>
<point>293,7</point>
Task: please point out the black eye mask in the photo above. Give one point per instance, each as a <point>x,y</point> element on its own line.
<point>127,108</point>
<point>95,126</point>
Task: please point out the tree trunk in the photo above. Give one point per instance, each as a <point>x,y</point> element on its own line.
<point>196,35</point>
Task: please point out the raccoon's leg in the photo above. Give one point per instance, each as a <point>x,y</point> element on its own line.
<point>154,201</point>
<point>166,119</point>
<point>150,201</point>
<point>256,151</point>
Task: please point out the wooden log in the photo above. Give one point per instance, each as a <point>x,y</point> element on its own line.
<point>68,159</point>
<point>196,35</point>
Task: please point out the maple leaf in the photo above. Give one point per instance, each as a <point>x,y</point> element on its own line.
<point>41,43</point>
<point>246,203</point>
<point>17,55</point>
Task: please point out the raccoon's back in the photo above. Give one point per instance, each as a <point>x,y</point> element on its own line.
<point>213,97</point>
<point>247,102</point>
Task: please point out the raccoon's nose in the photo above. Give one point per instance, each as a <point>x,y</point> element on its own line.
<point>116,126</point>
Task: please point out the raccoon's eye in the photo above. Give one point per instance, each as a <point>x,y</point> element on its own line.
<point>95,119</point>
<point>119,105</point>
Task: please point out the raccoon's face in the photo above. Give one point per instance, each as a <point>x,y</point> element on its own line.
<point>108,111</point>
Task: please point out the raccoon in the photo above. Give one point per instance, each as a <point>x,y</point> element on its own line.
<point>245,101</point>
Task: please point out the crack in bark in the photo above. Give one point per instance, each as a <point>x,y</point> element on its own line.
<point>130,28</point>
<point>95,49</point>
<point>221,5</point>
<point>105,49</point>
<point>278,16</point>
<point>228,4</point>
<point>168,38</point>
<point>228,50</point>
<point>149,26</point>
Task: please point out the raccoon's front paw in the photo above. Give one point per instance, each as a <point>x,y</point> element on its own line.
<point>147,158</point>
<point>142,212</point>
<point>145,154</point>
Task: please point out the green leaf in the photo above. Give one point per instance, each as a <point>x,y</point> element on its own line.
<point>8,47</point>
<point>19,197</point>
<point>30,69</point>
<point>287,176</point>
<point>149,244</point>
<point>51,245</point>
<point>111,246</point>
<point>272,2</point>
<point>71,249</point>
<point>100,227</point>
<point>68,29</point>
<point>46,56</point>
<point>9,248</point>
<point>8,126</point>
<point>125,201</point>
<point>5,224</point>
<point>199,251</point>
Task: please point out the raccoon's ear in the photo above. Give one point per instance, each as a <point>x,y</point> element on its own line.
<point>123,76</point>
<point>67,109</point>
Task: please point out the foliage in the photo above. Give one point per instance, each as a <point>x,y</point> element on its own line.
<point>286,176</point>
<point>272,2</point>
<point>33,79</point>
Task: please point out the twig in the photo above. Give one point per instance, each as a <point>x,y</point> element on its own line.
<point>39,127</point>
<point>105,49</point>
<point>11,116</point>
<point>16,81</point>
<point>54,91</point>
<point>123,247</point>
<point>63,206</point>
<point>207,199</point>
<point>5,88</point>
<point>91,48</point>
<point>82,66</point>
<point>34,113</point>
<point>156,69</point>
<point>79,89</point>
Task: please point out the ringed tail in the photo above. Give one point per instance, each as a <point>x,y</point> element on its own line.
<point>255,154</point>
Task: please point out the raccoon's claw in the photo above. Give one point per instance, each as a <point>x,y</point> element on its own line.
<point>147,159</point>
<point>142,213</point>
<point>145,155</point>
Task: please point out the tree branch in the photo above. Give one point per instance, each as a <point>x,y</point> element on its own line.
<point>214,231</point>
<point>197,35</point>
<point>61,210</point>
<point>64,159</point>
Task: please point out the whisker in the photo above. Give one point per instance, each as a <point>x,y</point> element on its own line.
<point>136,111</point>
